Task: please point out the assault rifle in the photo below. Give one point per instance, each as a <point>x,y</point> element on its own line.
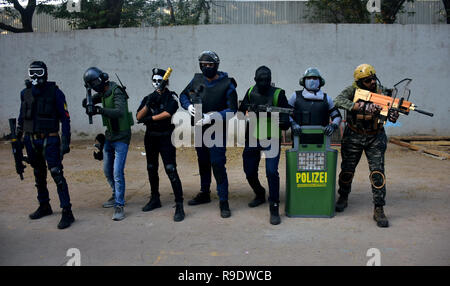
<point>269,108</point>
<point>390,104</point>
<point>17,148</point>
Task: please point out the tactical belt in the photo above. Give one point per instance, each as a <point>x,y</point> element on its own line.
<point>364,132</point>
<point>37,136</point>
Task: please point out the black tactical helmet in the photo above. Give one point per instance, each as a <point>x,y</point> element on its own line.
<point>38,72</point>
<point>209,57</point>
<point>96,79</point>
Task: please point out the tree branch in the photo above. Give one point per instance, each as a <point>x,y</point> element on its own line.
<point>9,28</point>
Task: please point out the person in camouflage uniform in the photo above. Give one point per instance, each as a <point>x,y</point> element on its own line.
<point>363,132</point>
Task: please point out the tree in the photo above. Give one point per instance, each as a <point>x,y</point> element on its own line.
<point>338,11</point>
<point>131,13</point>
<point>447,9</point>
<point>26,16</point>
<point>93,14</point>
<point>390,10</point>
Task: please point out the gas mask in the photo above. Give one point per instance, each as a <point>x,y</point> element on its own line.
<point>38,73</point>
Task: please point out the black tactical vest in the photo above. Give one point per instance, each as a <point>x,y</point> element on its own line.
<point>40,112</point>
<point>311,111</point>
<point>213,98</point>
<point>255,97</point>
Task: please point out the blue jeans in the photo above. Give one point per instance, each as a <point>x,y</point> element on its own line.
<point>115,155</point>
<point>251,158</point>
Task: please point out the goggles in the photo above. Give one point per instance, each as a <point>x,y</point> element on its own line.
<point>39,72</point>
<point>369,79</point>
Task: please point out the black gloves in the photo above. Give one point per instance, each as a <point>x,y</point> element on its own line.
<point>99,143</point>
<point>329,129</point>
<point>393,116</point>
<point>65,145</point>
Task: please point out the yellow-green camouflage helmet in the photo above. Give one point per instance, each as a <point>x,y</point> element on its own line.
<point>363,71</point>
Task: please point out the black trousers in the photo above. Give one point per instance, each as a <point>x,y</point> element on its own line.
<point>154,146</point>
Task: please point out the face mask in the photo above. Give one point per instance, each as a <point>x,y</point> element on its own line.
<point>263,84</point>
<point>312,84</point>
<point>156,81</point>
<point>209,72</point>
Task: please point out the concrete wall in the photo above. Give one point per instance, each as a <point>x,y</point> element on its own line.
<point>420,52</point>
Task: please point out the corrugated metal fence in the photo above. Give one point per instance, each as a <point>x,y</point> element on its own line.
<point>262,12</point>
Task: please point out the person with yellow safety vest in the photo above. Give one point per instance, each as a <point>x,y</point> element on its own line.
<point>264,94</point>
<point>363,132</point>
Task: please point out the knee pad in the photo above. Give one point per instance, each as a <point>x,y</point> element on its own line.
<point>171,172</point>
<point>377,179</point>
<point>57,174</point>
<point>346,178</point>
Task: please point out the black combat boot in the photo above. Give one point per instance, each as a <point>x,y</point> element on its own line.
<point>274,214</point>
<point>179,212</point>
<point>259,199</point>
<point>43,210</point>
<point>341,203</point>
<point>200,198</point>
<point>380,217</point>
<point>66,219</point>
<point>224,209</point>
<point>152,204</point>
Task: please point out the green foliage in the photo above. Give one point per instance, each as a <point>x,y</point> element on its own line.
<point>338,11</point>
<point>131,13</point>
<point>390,10</point>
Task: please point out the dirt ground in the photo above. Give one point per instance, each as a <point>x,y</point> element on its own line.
<point>418,207</point>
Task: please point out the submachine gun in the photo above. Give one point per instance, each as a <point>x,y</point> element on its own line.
<point>390,104</point>
<point>17,148</point>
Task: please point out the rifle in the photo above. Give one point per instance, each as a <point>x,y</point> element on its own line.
<point>390,104</point>
<point>17,148</point>
<point>270,108</point>
<point>89,104</point>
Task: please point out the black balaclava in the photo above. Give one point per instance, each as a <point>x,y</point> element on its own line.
<point>263,78</point>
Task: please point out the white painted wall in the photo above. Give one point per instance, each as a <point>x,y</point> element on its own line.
<point>420,52</point>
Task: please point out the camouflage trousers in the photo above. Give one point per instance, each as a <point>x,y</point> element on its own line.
<point>352,146</point>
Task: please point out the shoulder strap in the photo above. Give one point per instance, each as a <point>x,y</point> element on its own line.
<point>250,92</point>
<point>275,96</point>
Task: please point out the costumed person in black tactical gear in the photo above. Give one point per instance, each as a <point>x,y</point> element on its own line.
<point>312,106</point>
<point>43,107</point>
<point>263,93</point>
<point>118,121</point>
<point>156,111</point>
<point>217,93</point>
<point>363,132</point>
